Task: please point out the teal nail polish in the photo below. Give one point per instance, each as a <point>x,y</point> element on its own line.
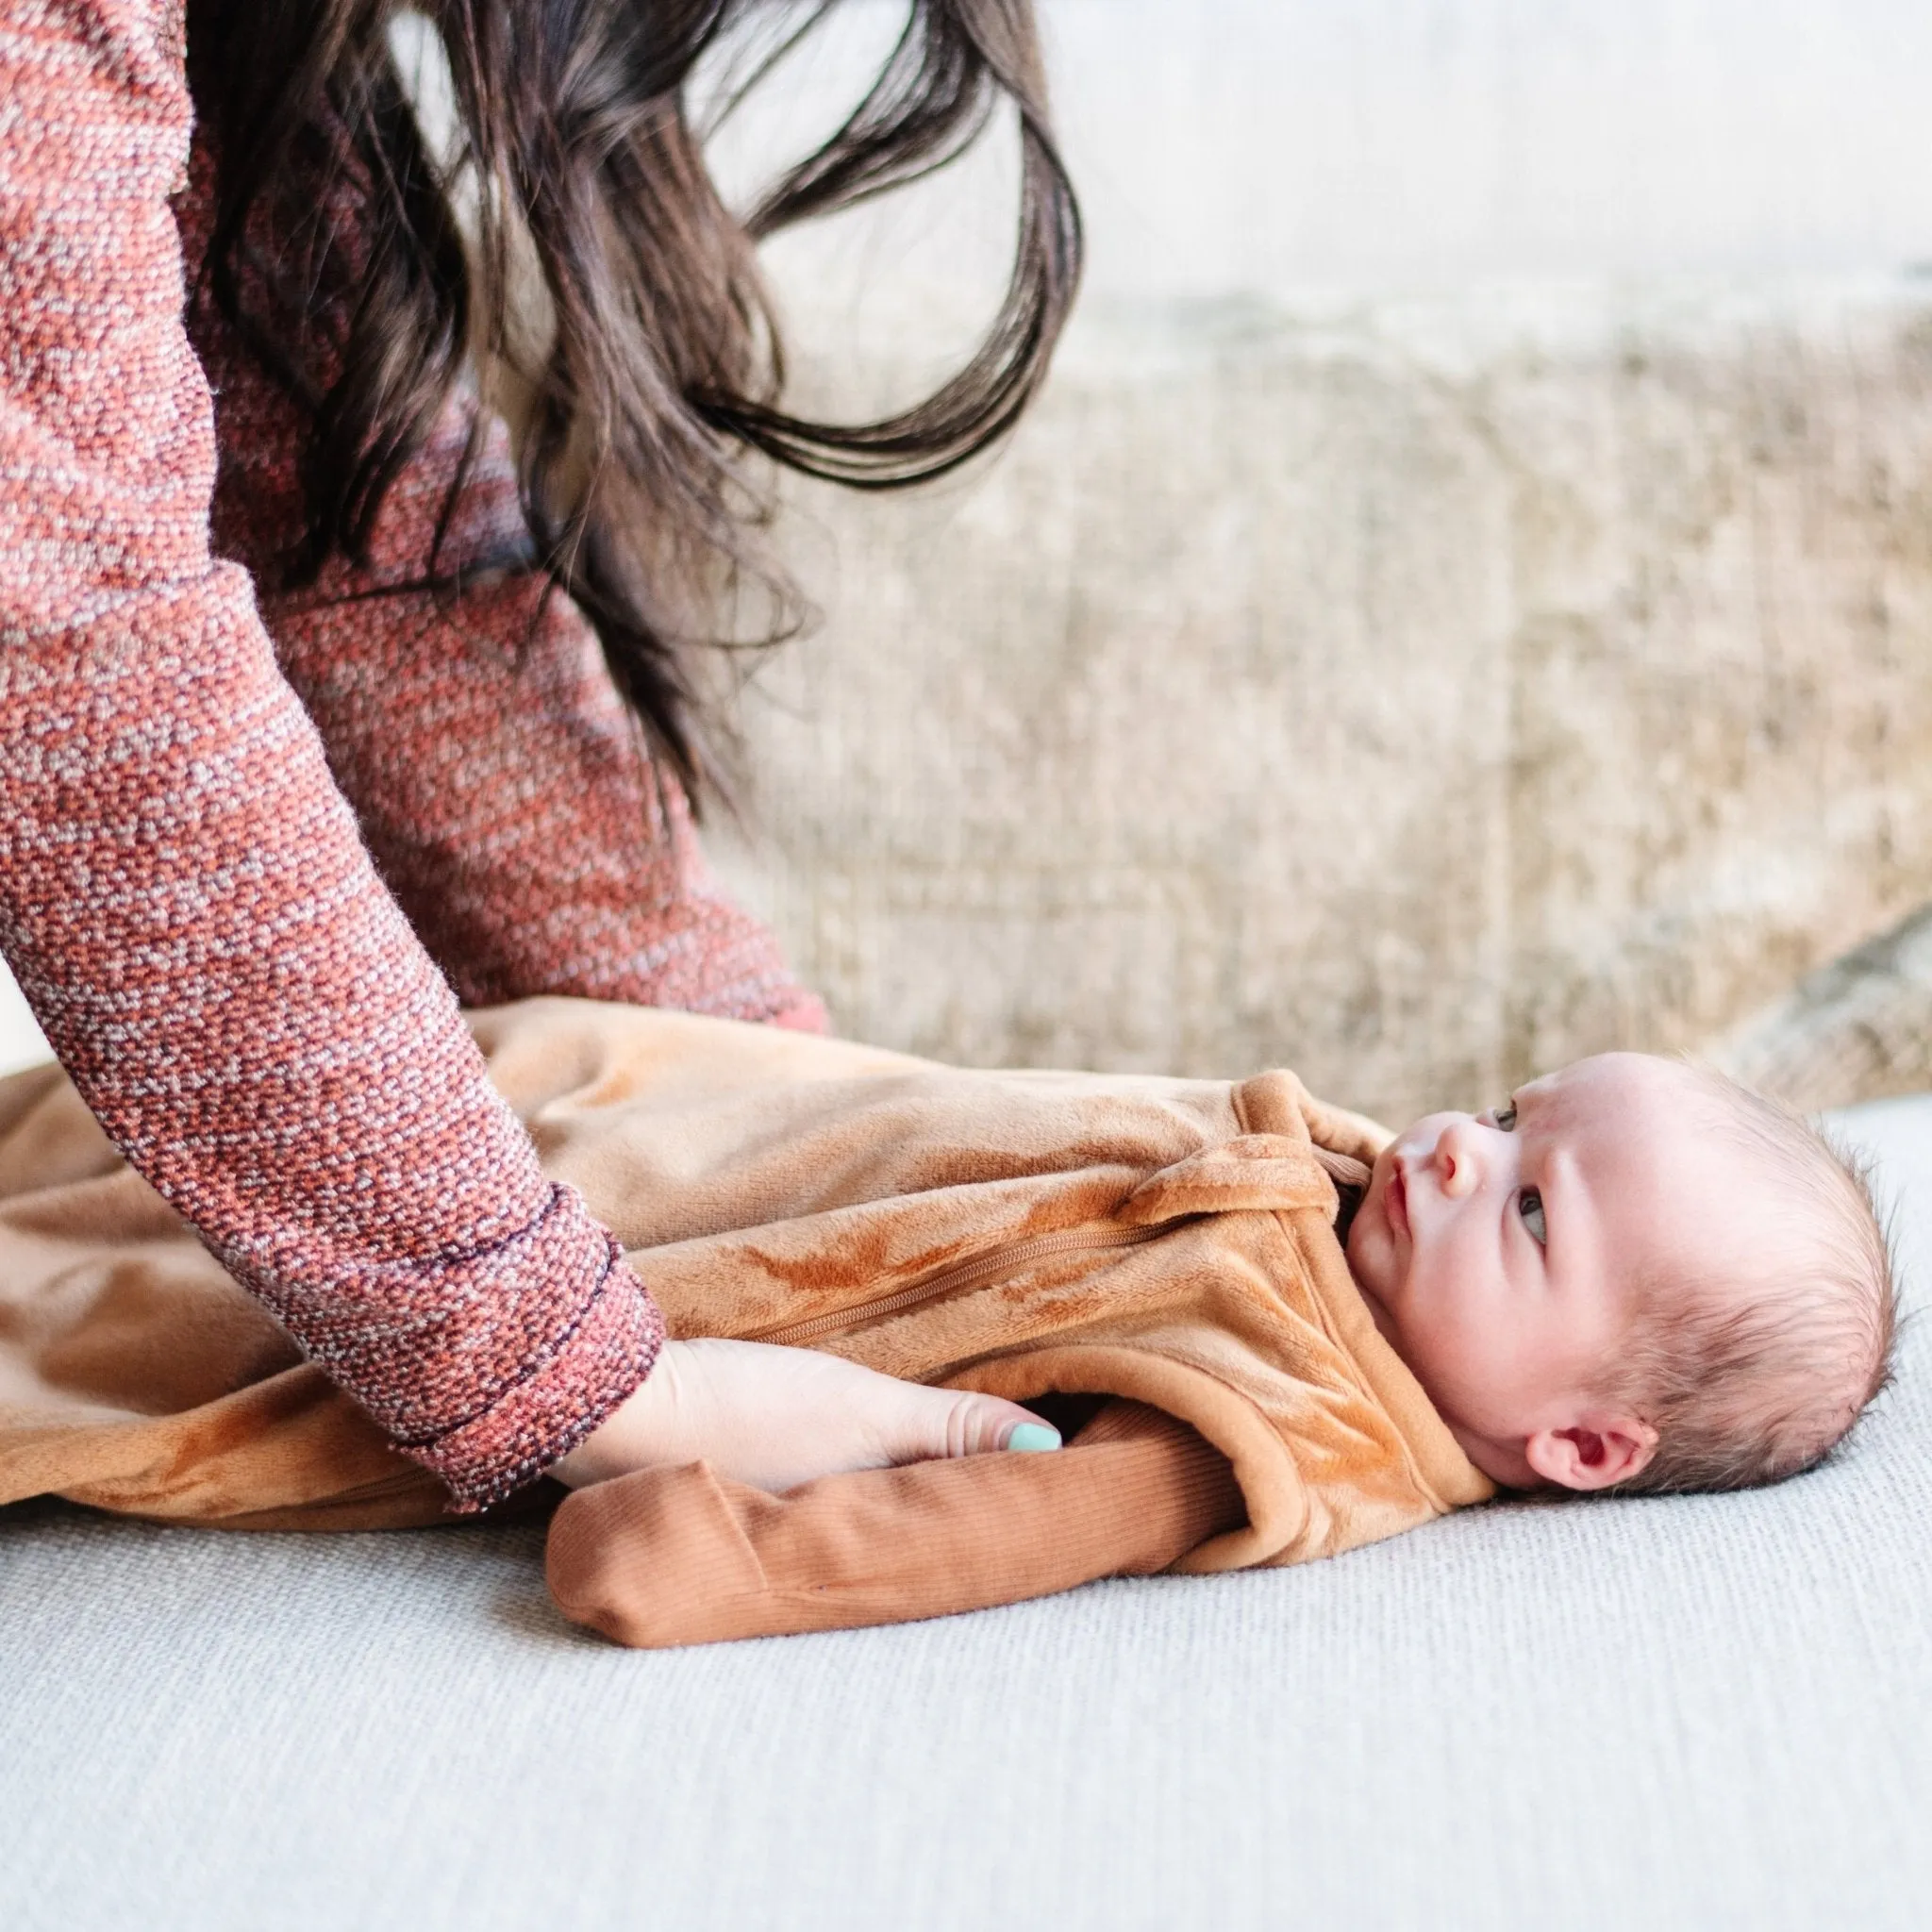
<point>1032,1436</point>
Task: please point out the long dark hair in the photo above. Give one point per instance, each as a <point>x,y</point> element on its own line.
<point>338,253</point>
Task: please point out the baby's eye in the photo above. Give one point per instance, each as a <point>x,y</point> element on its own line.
<point>1504,1116</point>
<point>1529,1203</point>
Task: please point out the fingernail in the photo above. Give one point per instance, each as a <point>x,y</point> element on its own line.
<point>1033,1436</point>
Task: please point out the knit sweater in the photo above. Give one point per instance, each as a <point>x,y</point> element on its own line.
<point>251,850</point>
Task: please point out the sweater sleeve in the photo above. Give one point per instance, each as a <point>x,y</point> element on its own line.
<point>184,895</point>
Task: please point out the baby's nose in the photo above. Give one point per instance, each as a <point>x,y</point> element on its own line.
<point>1458,1167</point>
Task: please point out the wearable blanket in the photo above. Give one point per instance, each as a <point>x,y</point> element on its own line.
<point>1166,1246</point>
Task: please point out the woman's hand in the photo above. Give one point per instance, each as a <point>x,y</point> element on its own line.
<point>779,1417</point>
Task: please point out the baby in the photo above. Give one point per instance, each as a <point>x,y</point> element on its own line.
<point>1634,1274</point>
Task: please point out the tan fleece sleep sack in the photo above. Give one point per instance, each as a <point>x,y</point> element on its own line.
<point>1166,1243</point>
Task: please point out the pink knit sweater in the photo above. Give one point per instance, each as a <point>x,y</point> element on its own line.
<point>238,838</point>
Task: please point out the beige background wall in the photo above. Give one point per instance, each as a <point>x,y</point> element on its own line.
<point>1423,696</point>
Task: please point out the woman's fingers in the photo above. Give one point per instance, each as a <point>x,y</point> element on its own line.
<point>936,1423</point>
<point>779,1417</point>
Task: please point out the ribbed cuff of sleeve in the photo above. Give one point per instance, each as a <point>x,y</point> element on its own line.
<point>549,1411</point>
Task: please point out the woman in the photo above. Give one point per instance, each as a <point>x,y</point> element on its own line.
<point>327,701</point>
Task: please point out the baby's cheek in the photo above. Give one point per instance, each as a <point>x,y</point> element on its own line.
<point>1370,1253</point>
<point>1358,1247</point>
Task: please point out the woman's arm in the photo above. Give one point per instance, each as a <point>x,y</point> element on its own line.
<point>183,893</point>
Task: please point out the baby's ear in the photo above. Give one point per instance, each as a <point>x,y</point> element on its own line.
<point>1592,1453</point>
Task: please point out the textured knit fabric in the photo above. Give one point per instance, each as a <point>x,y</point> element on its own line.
<point>185,895</point>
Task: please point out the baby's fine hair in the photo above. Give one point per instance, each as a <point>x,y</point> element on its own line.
<point>1747,1390</point>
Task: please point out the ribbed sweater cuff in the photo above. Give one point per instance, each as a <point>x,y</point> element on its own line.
<point>559,1402</point>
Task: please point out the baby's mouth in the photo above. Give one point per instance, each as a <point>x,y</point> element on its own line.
<point>1395,1201</point>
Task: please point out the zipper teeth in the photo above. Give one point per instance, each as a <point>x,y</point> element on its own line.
<point>964,1275</point>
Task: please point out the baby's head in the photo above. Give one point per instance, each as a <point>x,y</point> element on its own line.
<point>1635,1274</point>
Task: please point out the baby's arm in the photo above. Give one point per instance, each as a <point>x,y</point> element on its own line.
<point>674,1557</point>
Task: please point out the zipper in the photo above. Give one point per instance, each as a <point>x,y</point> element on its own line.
<point>961,1277</point>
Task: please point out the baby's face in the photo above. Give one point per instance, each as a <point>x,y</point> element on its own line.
<point>1501,1252</point>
